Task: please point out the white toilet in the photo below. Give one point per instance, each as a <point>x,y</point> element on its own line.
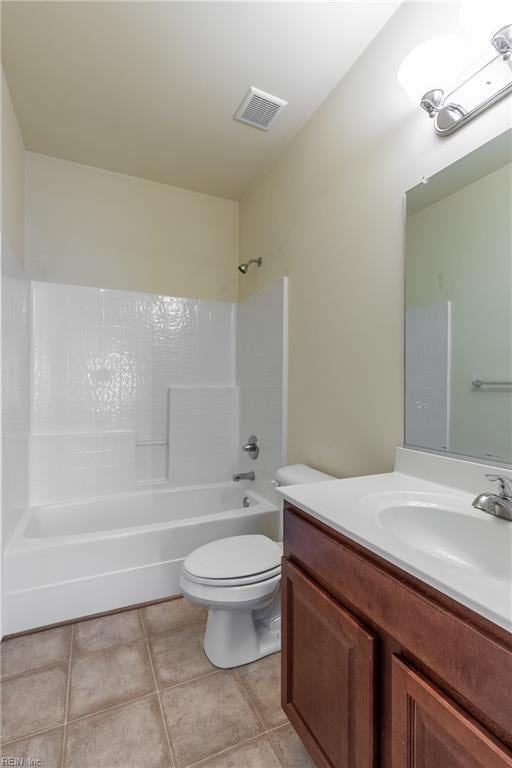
<point>238,579</point>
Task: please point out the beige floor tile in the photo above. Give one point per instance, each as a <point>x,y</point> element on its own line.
<point>290,749</point>
<point>33,702</point>
<point>131,736</point>
<point>179,656</point>
<point>207,716</point>
<point>263,680</point>
<point>107,632</point>
<point>40,649</point>
<point>174,614</point>
<point>44,750</point>
<point>110,677</point>
<point>256,754</point>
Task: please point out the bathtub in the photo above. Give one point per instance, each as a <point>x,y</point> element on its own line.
<point>79,558</point>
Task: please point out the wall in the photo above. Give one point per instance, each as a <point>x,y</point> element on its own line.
<point>88,226</point>
<point>13,178</point>
<point>103,362</point>
<point>330,215</point>
<point>262,365</point>
<point>470,265</point>
<point>15,328</point>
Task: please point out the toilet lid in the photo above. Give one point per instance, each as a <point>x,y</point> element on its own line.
<point>234,558</point>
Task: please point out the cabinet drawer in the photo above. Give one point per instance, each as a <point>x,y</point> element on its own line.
<point>428,729</point>
<point>328,675</point>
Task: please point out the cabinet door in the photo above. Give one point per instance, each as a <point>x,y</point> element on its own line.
<point>431,731</point>
<point>328,674</point>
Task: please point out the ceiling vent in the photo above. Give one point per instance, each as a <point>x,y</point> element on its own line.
<point>259,109</point>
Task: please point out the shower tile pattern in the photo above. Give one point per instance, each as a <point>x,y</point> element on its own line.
<point>102,363</point>
<point>134,689</point>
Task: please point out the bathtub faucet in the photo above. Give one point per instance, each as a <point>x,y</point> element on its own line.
<point>244,476</point>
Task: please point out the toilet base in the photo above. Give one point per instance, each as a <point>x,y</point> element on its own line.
<point>237,637</point>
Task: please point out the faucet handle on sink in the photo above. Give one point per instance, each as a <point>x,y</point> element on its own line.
<point>505,484</point>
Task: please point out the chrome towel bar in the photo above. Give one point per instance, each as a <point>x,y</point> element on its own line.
<point>479,383</point>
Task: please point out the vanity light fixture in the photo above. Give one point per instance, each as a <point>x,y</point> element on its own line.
<point>444,61</point>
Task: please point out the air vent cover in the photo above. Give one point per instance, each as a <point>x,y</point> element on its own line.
<point>259,109</point>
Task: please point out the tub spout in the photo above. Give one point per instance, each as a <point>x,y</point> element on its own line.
<point>244,476</point>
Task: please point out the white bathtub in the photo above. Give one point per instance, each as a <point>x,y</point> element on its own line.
<point>73,559</point>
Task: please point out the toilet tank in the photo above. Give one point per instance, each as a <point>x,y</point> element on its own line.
<point>300,474</point>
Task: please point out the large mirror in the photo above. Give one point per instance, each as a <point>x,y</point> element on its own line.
<point>458,307</point>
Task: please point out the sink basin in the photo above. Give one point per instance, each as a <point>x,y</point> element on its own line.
<point>456,537</point>
<point>427,529</point>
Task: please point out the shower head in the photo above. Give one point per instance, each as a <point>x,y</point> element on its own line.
<point>244,267</point>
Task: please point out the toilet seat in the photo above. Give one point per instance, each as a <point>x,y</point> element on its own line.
<point>235,582</point>
<point>234,561</point>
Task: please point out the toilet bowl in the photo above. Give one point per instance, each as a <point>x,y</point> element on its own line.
<point>239,580</point>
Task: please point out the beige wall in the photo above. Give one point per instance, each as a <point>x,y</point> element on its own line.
<point>89,226</point>
<point>330,215</point>
<point>13,182</point>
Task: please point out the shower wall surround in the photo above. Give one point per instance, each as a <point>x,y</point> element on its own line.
<point>102,365</point>
<point>15,392</point>
<point>134,388</point>
<point>262,363</point>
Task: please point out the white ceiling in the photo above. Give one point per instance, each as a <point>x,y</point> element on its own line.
<point>150,88</point>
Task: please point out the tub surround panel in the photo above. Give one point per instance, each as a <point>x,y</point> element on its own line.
<point>262,364</point>
<point>203,430</point>
<point>15,391</point>
<point>102,364</point>
<point>70,466</point>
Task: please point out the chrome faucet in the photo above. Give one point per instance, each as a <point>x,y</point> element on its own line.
<point>498,504</point>
<point>244,476</point>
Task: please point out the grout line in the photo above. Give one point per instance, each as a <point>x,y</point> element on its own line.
<point>231,748</point>
<point>68,692</point>
<point>27,736</point>
<point>190,680</point>
<point>278,727</point>
<point>164,722</point>
<point>42,668</point>
<point>246,691</point>
<point>110,709</point>
<point>173,630</point>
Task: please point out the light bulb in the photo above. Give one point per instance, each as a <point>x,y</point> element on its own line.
<point>436,63</point>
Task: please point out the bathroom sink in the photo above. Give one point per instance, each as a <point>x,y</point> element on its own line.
<point>428,529</point>
<point>453,536</point>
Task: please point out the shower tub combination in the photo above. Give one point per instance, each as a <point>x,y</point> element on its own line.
<point>75,559</point>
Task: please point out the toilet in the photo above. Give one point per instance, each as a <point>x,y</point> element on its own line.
<point>239,580</point>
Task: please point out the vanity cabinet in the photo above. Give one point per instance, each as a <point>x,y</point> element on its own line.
<point>379,670</point>
<point>330,660</point>
<point>429,729</point>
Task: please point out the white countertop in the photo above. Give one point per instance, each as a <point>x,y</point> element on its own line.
<point>427,529</point>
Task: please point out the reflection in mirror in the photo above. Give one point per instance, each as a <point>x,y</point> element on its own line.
<point>458,307</point>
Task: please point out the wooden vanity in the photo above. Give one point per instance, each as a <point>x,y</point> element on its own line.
<point>381,670</point>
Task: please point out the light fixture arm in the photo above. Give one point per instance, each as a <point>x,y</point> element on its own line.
<point>494,78</point>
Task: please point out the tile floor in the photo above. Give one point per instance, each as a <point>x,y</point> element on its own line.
<point>135,690</point>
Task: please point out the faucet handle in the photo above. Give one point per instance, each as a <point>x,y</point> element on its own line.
<point>505,484</point>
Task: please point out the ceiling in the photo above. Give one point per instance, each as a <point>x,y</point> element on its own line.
<point>150,88</point>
